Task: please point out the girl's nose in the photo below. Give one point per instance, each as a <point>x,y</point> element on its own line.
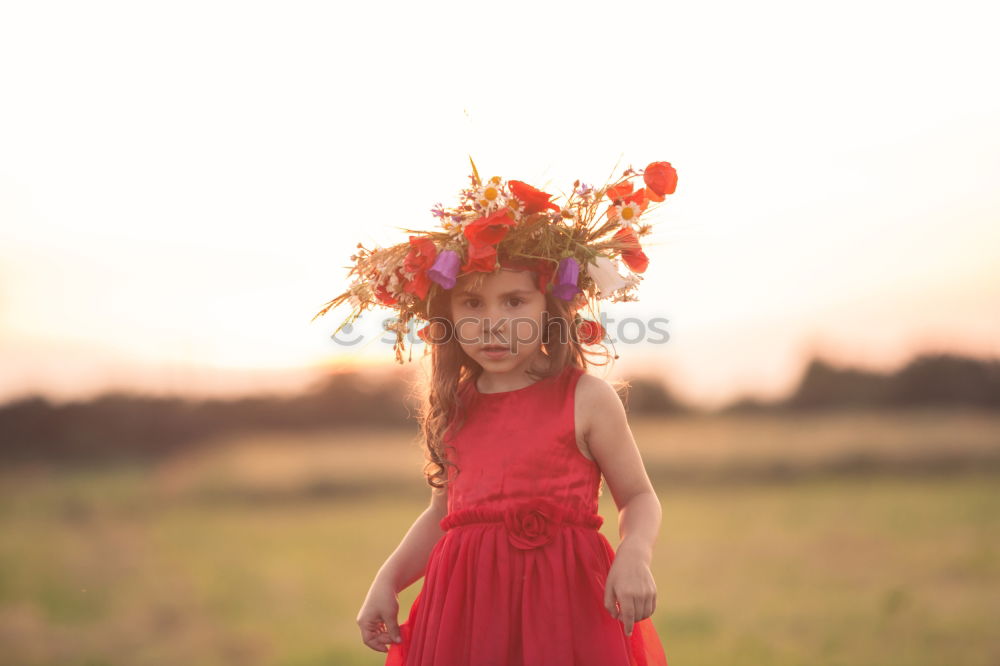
<point>494,323</point>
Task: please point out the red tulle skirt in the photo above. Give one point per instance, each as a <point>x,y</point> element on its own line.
<point>532,599</point>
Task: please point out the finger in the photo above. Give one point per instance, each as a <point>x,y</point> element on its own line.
<point>628,615</point>
<point>645,609</point>
<point>373,635</point>
<point>378,642</point>
<point>641,608</point>
<point>609,601</point>
<point>369,631</point>
<point>392,627</point>
<point>383,641</point>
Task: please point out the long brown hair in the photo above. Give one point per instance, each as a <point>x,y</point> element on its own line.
<point>452,370</point>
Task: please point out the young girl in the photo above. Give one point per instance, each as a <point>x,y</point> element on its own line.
<point>515,568</point>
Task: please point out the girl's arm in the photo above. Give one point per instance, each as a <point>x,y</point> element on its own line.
<point>379,615</point>
<point>610,442</point>
<point>407,563</point>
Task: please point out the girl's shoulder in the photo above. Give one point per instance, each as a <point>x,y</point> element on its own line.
<point>596,395</point>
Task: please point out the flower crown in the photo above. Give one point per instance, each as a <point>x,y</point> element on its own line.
<point>572,248</point>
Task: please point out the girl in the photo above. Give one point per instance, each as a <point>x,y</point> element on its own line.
<point>515,569</point>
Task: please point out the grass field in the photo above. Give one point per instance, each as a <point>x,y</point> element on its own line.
<point>873,544</point>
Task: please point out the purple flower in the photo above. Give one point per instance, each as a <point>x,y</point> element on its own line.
<point>438,210</point>
<point>445,268</point>
<point>567,275</point>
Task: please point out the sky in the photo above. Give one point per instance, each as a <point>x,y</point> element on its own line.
<point>182,184</point>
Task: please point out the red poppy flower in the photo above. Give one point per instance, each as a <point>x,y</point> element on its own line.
<point>534,199</point>
<point>632,253</point>
<point>382,292</point>
<point>590,332</point>
<point>532,524</point>
<point>481,258</point>
<point>418,260</point>
<point>489,230</point>
<point>421,255</point>
<point>660,179</point>
<point>620,190</point>
<point>433,333</point>
<point>419,285</point>
<point>638,197</point>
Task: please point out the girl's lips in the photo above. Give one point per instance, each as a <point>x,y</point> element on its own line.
<point>496,352</point>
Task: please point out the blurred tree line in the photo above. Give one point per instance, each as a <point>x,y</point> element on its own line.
<point>932,379</point>
<point>123,425</point>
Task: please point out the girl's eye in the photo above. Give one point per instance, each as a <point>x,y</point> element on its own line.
<point>473,302</point>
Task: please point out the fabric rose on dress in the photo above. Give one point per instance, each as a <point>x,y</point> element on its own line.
<point>532,524</point>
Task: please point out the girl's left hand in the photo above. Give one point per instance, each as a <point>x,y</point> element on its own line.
<point>630,583</point>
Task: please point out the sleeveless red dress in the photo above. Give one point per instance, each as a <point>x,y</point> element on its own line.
<point>518,577</point>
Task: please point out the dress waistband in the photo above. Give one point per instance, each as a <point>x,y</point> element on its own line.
<point>528,515</point>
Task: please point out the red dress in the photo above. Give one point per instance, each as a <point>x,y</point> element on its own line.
<point>518,578</point>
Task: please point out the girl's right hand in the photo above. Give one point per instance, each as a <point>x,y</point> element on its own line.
<point>377,618</point>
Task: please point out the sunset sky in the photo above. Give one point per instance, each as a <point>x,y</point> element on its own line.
<point>182,184</point>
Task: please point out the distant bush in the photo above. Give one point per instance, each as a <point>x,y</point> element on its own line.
<point>121,425</point>
<point>930,379</point>
<point>648,396</point>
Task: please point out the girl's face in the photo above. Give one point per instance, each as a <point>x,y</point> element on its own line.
<point>506,314</point>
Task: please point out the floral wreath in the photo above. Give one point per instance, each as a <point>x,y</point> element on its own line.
<point>573,248</point>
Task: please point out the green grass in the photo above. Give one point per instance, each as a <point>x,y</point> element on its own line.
<point>137,566</point>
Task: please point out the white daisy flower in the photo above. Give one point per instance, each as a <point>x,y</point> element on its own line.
<point>628,214</point>
<point>490,195</point>
<point>452,224</point>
